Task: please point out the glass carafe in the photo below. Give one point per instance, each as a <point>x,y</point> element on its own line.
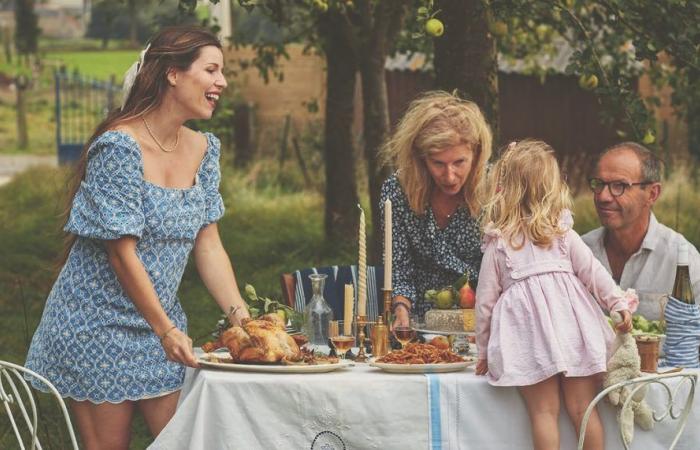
<point>317,314</point>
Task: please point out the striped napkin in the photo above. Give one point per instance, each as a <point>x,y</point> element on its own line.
<point>682,334</point>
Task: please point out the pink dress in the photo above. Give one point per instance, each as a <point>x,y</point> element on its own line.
<point>536,316</point>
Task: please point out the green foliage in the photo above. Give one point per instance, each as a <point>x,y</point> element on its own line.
<point>617,40</point>
<point>114,19</point>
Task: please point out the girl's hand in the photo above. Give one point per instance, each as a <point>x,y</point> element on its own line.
<point>178,348</point>
<point>482,367</point>
<point>626,325</point>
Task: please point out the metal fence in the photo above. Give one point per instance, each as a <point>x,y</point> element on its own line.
<point>81,103</point>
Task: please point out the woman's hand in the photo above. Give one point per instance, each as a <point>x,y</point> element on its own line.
<point>178,348</point>
<point>401,318</point>
<point>626,325</point>
<point>482,367</point>
<point>237,314</point>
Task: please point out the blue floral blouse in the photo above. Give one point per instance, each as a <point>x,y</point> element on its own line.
<point>92,342</point>
<point>426,256</point>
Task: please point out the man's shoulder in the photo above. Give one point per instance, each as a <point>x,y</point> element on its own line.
<point>667,237</point>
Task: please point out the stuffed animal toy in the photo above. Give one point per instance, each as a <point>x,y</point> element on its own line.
<point>624,365</point>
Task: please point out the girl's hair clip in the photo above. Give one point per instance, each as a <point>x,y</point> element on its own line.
<point>512,145</point>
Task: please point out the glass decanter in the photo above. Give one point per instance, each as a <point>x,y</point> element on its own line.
<point>317,314</point>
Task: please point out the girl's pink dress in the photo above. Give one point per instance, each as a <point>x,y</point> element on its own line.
<point>536,316</point>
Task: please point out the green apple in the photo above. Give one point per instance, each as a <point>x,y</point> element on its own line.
<point>588,82</point>
<point>444,299</point>
<point>434,27</point>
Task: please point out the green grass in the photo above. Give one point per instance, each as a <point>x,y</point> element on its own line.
<point>95,64</point>
<point>41,123</point>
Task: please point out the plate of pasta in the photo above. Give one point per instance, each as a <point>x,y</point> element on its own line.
<point>422,358</point>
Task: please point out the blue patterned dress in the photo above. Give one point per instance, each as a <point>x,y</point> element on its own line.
<point>426,256</point>
<point>92,342</point>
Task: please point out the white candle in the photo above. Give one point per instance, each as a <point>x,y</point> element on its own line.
<point>362,269</point>
<point>387,244</point>
<point>349,310</point>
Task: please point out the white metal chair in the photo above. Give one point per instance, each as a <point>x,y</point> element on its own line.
<point>15,391</point>
<point>673,404</point>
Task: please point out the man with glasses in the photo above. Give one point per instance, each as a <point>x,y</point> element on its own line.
<point>633,246</point>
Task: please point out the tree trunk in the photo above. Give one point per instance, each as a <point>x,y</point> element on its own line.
<point>341,214</point>
<point>465,56</point>
<point>133,24</point>
<point>7,44</point>
<point>380,35</point>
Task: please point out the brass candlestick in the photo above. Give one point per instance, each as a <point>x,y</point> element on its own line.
<point>361,323</point>
<point>388,299</point>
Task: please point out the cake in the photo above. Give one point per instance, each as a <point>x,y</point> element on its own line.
<point>459,320</point>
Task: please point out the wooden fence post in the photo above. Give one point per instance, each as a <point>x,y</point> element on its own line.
<point>21,85</point>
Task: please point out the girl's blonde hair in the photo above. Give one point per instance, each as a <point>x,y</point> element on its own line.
<point>434,122</point>
<point>526,194</point>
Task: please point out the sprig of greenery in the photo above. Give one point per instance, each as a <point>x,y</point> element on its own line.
<point>258,306</point>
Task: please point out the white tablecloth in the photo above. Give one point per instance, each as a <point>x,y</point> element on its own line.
<point>369,409</point>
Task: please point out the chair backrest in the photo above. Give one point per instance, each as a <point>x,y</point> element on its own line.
<point>15,392</point>
<point>296,288</point>
<point>673,404</point>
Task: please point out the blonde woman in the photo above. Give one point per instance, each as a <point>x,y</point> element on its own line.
<point>440,149</point>
<point>538,325</point>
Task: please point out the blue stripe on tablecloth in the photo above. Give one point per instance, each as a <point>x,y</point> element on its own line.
<point>434,406</point>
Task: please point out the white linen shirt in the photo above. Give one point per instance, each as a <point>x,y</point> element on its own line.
<point>652,269</point>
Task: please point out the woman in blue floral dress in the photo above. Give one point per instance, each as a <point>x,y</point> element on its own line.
<point>440,149</point>
<point>113,335</point>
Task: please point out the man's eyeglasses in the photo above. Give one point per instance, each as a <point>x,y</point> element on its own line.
<point>617,188</point>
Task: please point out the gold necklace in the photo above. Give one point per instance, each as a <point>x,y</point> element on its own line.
<point>177,138</point>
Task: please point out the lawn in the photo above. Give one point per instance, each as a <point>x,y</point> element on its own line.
<point>94,64</point>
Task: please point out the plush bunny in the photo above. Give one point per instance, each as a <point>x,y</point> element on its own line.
<point>624,365</point>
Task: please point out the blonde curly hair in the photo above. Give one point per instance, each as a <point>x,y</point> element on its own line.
<point>526,194</point>
<point>434,122</point>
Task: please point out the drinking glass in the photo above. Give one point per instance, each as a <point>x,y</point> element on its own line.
<point>341,341</point>
<point>404,335</point>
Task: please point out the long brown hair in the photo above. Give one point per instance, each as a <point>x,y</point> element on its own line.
<point>171,48</point>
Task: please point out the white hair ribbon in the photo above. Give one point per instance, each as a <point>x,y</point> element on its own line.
<point>130,75</point>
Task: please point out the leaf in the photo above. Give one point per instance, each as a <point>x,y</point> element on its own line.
<point>267,304</point>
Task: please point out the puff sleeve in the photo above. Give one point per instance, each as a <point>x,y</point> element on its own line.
<point>210,177</point>
<point>108,204</point>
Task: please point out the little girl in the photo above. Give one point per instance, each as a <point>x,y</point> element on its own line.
<point>538,326</point>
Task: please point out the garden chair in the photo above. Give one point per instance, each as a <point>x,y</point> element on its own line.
<point>296,288</point>
<point>15,393</point>
<point>672,392</point>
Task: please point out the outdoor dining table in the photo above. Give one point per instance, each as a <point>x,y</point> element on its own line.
<point>362,407</point>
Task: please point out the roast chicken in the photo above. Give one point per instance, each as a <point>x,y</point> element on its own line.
<point>262,340</point>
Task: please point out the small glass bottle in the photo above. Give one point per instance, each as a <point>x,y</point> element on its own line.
<point>682,289</point>
<point>317,314</point>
